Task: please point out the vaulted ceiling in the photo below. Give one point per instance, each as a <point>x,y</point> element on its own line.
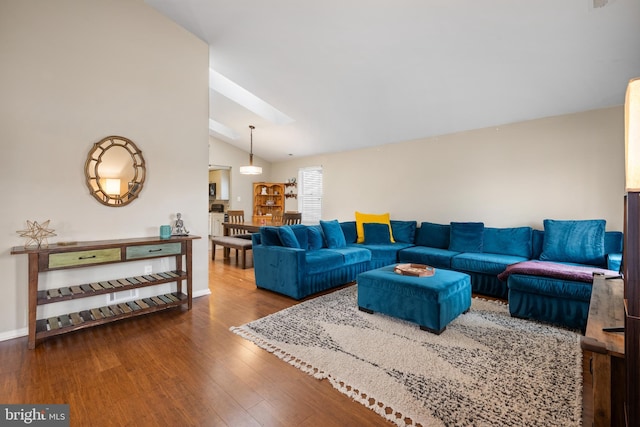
<point>349,74</point>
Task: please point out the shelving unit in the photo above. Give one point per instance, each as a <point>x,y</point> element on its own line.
<point>291,193</point>
<point>268,200</point>
<point>99,253</point>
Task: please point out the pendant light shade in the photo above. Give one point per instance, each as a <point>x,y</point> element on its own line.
<point>251,170</point>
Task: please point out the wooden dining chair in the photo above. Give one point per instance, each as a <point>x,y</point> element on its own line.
<point>290,218</point>
<point>276,218</point>
<point>237,216</point>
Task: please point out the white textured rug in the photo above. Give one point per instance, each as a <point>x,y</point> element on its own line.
<point>485,369</point>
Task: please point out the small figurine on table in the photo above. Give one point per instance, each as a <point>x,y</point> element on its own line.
<point>179,229</point>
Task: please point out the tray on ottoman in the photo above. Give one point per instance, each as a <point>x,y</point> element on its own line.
<point>432,301</point>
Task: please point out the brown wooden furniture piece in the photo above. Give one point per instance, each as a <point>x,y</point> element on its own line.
<point>606,310</point>
<point>268,199</point>
<point>96,254</point>
<point>231,242</point>
<point>290,218</point>
<point>236,216</point>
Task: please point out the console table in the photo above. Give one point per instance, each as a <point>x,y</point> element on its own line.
<point>95,254</point>
<point>606,310</point>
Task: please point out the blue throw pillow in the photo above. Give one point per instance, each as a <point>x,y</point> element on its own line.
<point>300,231</point>
<point>287,237</point>
<point>314,233</point>
<point>350,231</point>
<point>508,241</point>
<point>269,236</point>
<point>376,234</point>
<point>403,231</point>
<point>466,236</point>
<point>333,234</point>
<point>433,235</point>
<point>579,241</point>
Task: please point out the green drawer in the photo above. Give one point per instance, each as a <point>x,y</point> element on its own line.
<point>78,258</point>
<point>149,251</point>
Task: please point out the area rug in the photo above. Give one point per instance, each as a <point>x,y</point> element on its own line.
<point>485,369</point>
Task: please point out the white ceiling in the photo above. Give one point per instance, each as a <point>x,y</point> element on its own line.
<point>359,73</point>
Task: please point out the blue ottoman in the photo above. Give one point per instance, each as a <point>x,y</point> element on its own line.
<point>431,302</point>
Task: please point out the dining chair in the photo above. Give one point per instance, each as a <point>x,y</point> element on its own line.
<point>276,218</point>
<point>289,218</point>
<point>237,216</point>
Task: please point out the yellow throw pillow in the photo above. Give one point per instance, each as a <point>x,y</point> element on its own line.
<point>362,218</point>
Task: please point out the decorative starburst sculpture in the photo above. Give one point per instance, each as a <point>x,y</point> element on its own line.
<point>37,233</point>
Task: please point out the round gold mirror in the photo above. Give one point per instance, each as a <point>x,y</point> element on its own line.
<point>115,171</point>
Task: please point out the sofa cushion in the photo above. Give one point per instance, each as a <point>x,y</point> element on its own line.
<point>349,231</point>
<point>508,241</point>
<point>536,243</point>
<point>352,254</point>
<point>269,236</point>
<point>485,263</point>
<point>435,257</point>
<point>322,261</point>
<point>333,234</point>
<point>376,234</point>
<point>466,236</point>
<point>433,235</point>
<point>404,231</point>
<point>361,218</point>
<point>578,241</point>
<point>387,252</point>
<point>287,237</point>
<point>316,241</point>
<point>302,235</point>
<point>613,241</point>
<point>548,286</point>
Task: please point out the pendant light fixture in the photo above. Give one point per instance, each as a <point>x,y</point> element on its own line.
<point>251,170</point>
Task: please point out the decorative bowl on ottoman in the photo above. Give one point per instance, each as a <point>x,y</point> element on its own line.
<point>430,301</point>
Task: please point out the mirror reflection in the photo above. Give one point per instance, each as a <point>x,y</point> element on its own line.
<point>115,171</point>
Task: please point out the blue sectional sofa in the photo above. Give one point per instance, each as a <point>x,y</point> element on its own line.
<point>551,293</point>
<point>296,261</point>
<point>300,260</point>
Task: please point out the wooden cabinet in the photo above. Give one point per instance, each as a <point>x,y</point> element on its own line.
<point>216,224</point>
<point>93,255</point>
<point>268,200</point>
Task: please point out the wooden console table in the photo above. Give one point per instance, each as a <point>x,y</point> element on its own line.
<point>606,310</point>
<point>95,254</point>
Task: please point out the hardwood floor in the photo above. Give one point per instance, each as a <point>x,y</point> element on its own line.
<point>182,368</point>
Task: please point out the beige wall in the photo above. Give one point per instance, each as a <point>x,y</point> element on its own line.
<point>240,186</point>
<point>565,167</point>
<point>73,72</point>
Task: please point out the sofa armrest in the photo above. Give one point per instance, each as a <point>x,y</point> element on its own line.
<point>279,269</point>
<point>614,262</point>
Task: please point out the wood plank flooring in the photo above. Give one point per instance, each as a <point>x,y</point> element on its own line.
<point>182,368</point>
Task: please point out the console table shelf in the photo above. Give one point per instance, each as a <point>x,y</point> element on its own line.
<point>108,286</point>
<point>97,316</point>
<point>99,253</point>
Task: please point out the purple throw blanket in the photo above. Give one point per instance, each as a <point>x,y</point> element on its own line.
<point>554,270</point>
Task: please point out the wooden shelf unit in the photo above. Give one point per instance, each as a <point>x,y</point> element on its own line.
<point>267,202</point>
<point>99,253</point>
<point>293,192</point>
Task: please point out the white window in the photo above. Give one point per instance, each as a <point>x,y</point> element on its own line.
<point>310,194</point>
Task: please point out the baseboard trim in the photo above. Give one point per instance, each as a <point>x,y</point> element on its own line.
<point>16,333</point>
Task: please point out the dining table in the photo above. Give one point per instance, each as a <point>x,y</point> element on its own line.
<point>247,226</point>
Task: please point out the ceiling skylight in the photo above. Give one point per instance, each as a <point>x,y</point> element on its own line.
<point>222,129</point>
<point>238,94</point>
